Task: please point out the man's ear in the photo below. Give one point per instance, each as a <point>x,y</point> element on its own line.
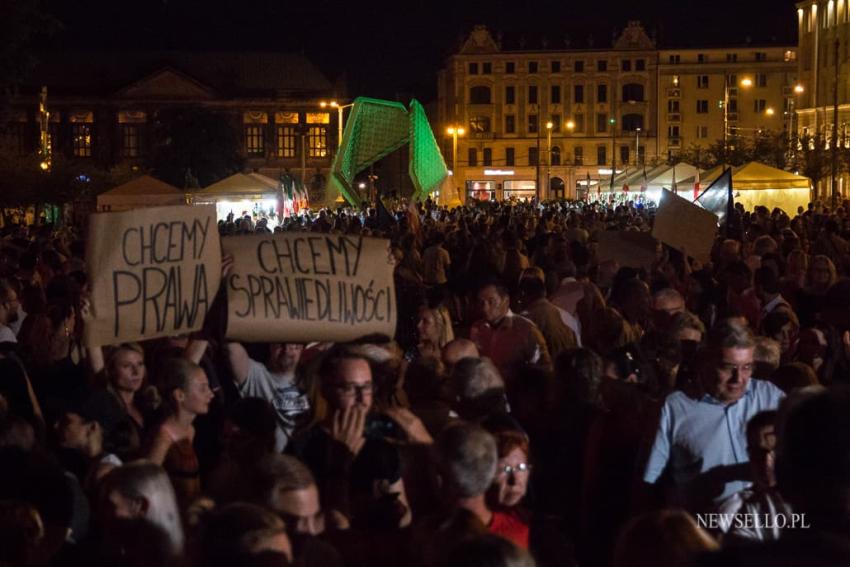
<point>141,505</point>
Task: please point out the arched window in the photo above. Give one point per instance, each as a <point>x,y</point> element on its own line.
<point>633,92</point>
<point>556,155</point>
<point>556,188</point>
<point>479,95</point>
<point>632,122</point>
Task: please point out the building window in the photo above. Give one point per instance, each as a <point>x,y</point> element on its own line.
<point>761,80</point>
<point>473,68</point>
<point>702,132</point>
<point>510,124</point>
<point>286,137</point>
<point>578,155</point>
<point>532,66</point>
<point>130,145</point>
<point>317,142</point>
<point>479,95</point>
<point>578,67</point>
<point>601,155</point>
<point>555,119</point>
<point>510,95</point>
<point>601,93</point>
<point>555,66</point>
<point>702,81</point>
<point>701,58</point>
<point>533,156</point>
<point>626,65</point>
<point>733,105</point>
<point>532,94</point>
<point>479,124</point>
<point>81,136</point>
<point>602,65</point>
<point>761,56</point>
<point>601,122</point>
<point>578,94</point>
<point>556,155</point>
<point>510,67</point>
<point>555,94</point>
<point>472,157</point>
<point>673,105</point>
<point>633,92</point>
<point>578,119</point>
<point>532,124</point>
<point>510,156</point>
<point>624,154</point>
<point>675,59</point>
<point>632,122</point>
<point>487,158</point>
<point>255,140</point>
<point>640,65</point>
<point>759,105</point>
<point>702,107</point>
<point>486,68</point>
<point>672,131</point>
<point>731,57</point>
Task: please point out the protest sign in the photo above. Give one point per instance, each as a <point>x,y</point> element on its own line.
<point>304,287</point>
<point>154,272</point>
<point>681,224</point>
<point>627,247</point>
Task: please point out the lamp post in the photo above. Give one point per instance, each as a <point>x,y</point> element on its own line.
<point>339,109</point>
<point>454,132</point>
<point>549,126</point>
<point>746,83</point>
<point>637,147</point>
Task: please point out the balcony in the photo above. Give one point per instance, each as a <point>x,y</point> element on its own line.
<point>481,135</point>
<point>674,92</point>
<point>674,117</point>
<point>733,117</point>
<point>674,142</point>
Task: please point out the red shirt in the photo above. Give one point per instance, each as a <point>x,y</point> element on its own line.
<point>509,526</point>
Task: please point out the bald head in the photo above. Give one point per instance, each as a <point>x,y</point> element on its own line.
<point>457,350</point>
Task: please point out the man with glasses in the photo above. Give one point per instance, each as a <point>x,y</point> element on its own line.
<point>701,435</point>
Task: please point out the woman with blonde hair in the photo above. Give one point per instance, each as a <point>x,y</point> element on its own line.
<point>141,489</point>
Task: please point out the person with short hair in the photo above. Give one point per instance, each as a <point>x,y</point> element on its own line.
<point>701,438</point>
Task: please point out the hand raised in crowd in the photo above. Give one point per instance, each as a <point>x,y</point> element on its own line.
<point>348,426</point>
<point>411,424</point>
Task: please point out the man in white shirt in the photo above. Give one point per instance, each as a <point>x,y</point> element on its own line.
<point>273,382</point>
<point>9,311</point>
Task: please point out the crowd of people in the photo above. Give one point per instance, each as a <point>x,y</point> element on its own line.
<point>539,404</point>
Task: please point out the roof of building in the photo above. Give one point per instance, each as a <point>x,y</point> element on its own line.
<point>228,74</point>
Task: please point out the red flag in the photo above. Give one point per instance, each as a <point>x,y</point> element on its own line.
<point>625,187</point>
<point>696,186</point>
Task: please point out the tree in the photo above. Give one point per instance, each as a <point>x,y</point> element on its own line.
<point>196,142</point>
<point>811,157</point>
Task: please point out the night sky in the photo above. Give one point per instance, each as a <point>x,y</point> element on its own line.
<point>394,49</point>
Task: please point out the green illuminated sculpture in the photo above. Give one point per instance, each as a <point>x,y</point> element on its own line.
<point>377,128</point>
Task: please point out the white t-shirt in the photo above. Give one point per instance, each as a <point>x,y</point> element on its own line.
<point>7,335</point>
<point>282,393</point>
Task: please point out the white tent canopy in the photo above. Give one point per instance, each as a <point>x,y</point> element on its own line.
<point>144,191</point>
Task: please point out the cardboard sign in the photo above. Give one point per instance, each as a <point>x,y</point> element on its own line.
<point>304,287</point>
<point>679,223</point>
<point>627,247</point>
<point>154,272</point>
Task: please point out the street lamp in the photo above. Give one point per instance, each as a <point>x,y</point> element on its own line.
<point>637,147</point>
<point>549,126</point>
<point>339,109</point>
<point>454,132</point>
<point>746,83</point>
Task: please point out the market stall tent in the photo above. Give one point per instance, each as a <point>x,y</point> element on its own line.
<point>757,184</point>
<point>144,191</point>
<point>242,194</point>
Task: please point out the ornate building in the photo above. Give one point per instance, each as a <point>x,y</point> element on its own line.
<point>104,107</point>
<point>545,122</point>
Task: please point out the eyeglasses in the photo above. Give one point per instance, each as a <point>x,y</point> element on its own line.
<point>351,390</point>
<point>520,468</point>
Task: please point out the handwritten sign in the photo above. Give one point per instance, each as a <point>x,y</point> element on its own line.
<point>628,248</point>
<point>154,272</point>
<point>681,224</point>
<point>309,287</point>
